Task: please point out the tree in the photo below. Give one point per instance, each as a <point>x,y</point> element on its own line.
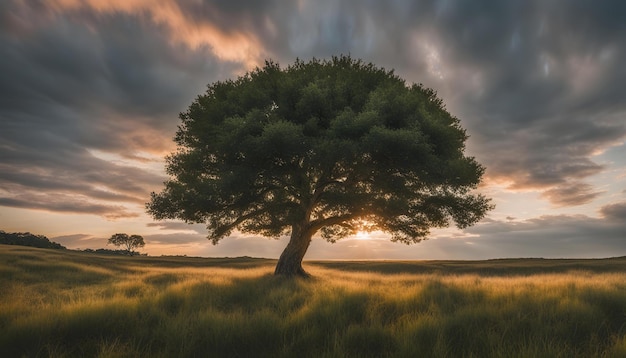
<point>129,242</point>
<point>331,146</point>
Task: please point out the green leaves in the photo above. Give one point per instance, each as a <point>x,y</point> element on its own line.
<point>129,242</point>
<point>320,145</point>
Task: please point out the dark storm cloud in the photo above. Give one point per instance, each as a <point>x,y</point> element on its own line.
<point>615,212</point>
<point>75,82</point>
<point>548,97</point>
<point>107,89</point>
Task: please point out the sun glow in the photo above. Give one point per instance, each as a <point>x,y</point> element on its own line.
<point>364,230</point>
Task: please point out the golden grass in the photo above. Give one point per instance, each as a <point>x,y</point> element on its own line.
<point>65,303</point>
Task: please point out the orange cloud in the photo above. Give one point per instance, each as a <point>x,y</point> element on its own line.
<point>237,46</point>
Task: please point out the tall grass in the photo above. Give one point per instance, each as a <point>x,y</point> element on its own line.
<point>63,303</point>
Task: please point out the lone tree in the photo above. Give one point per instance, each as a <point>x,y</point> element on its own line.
<point>129,242</point>
<point>333,146</point>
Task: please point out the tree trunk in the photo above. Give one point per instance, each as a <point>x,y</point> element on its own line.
<point>290,261</point>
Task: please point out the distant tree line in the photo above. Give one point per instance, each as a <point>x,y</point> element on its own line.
<point>28,239</point>
<point>40,241</point>
<point>114,252</point>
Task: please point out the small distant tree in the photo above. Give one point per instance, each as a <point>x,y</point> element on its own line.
<point>128,242</point>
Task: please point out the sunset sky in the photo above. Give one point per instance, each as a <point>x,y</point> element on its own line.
<point>90,92</point>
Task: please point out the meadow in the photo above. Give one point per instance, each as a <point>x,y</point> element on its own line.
<point>61,303</point>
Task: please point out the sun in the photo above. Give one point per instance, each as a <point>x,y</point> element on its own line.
<point>364,229</point>
<point>362,235</point>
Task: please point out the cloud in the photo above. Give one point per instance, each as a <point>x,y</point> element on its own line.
<point>554,236</point>
<point>179,226</point>
<point>65,178</point>
<point>571,194</point>
<point>66,204</point>
<point>99,89</point>
<point>614,212</point>
<point>88,106</point>
<point>180,21</point>
<point>546,96</point>
<point>98,187</point>
<point>80,241</point>
<point>175,238</point>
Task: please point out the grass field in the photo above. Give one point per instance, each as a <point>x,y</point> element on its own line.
<point>71,304</point>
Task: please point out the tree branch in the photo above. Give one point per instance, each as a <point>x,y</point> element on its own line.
<point>316,225</point>
<point>223,230</point>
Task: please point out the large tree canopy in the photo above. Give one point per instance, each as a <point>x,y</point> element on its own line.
<point>331,146</point>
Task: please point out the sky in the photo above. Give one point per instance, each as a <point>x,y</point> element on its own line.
<point>90,92</point>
